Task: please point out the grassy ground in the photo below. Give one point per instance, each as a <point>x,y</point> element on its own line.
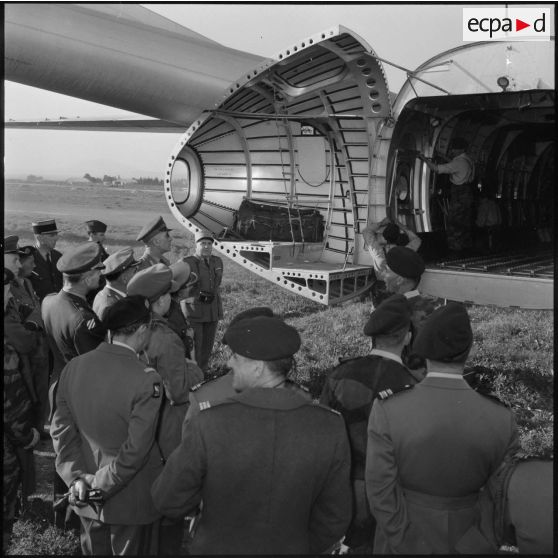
<point>512,357</point>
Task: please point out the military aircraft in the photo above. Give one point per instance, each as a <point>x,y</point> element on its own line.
<point>287,159</point>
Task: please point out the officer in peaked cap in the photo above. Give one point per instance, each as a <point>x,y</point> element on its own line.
<point>448,461</point>
<point>47,278</point>
<point>301,449</point>
<point>155,236</point>
<point>202,302</point>
<point>71,326</point>
<point>119,269</point>
<point>111,393</point>
<point>352,387</point>
<point>96,232</point>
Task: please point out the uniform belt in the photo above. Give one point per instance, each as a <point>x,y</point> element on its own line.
<point>440,502</point>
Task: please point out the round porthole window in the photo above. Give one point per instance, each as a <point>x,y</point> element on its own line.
<point>186,182</point>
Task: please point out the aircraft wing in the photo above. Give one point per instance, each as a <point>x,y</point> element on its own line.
<point>120,55</point>
<point>99,125</point>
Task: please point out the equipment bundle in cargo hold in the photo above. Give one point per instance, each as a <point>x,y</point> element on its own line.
<point>262,221</point>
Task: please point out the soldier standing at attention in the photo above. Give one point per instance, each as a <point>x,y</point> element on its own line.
<point>202,305</point>
<point>18,433</point>
<point>459,222</point>
<point>352,387</point>
<point>47,278</point>
<point>103,430</point>
<point>71,326</point>
<point>119,269</point>
<point>270,467</point>
<point>155,236</point>
<point>433,447</point>
<point>165,353</point>
<point>96,233</point>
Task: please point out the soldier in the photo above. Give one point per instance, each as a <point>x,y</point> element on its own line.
<point>273,467</point>
<point>119,269</point>
<point>71,326</point>
<point>165,353</point>
<point>103,430</point>
<point>47,278</point>
<point>29,308</point>
<point>96,233</point>
<point>216,389</point>
<point>19,434</point>
<point>433,447</point>
<point>461,170</point>
<point>352,387</point>
<point>202,305</point>
<point>155,236</point>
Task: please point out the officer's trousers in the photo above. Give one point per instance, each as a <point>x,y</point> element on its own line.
<point>204,337</point>
<point>107,539</point>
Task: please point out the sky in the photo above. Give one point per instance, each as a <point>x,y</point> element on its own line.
<point>406,34</point>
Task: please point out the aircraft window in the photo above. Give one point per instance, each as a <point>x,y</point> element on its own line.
<point>187,182</point>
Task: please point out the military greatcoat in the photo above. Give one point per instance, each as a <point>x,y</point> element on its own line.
<point>430,451</point>
<point>107,407</point>
<point>272,470</point>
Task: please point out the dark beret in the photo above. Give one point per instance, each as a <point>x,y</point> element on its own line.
<point>119,261</point>
<point>127,311</point>
<point>446,334</point>
<point>152,282</point>
<point>26,251</point>
<point>95,226</point>
<point>248,314</point>
<point>152,228</point>
<point>392,315</point>
<point>10,245</point>
<point>263,338</point>
<point>405,262</point>
<point>82,258</point>
<point>8,276</point>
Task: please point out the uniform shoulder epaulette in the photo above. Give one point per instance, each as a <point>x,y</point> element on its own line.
<point>204,405</point>
<point>202,383</point>
<point>386,393</point>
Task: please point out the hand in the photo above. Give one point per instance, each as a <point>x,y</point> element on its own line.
<point>78,492</point>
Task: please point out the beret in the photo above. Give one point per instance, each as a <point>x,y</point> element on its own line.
<point>95,226</point>
<point>248,314</point>
<point>10,245</point>
<point>119,261</point>
<point>446,334</point>
<point>125,312</point>
<point>203,234</point>
<point>152,228</point>
<point>152,282</point>
<point>8,276</point>
<point>82,258</point>
<point>263,338</point>
<point>48,226</point>
<point>392,315</point>
<point>26,251</point>
<point>405,262</point>
<point>180,273</point>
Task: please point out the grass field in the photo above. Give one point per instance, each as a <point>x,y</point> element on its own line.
<point>513,349</point>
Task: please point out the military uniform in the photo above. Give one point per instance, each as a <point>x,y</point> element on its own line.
<point>204,317</point>
<point>46,279</point>
<point>72,328</point>
<point>273,469</point>
<point>165,353</point>
<point>18,433</point>
<point>147,260</point>
<point>432,448</point>
<point>107,408</point>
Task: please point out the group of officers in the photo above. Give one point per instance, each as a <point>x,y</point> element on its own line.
<point>400,454</point>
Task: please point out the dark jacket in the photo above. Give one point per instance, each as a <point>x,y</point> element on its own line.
<point>272,470</point>
<point>71,326</point>
<point>47,278</point>
<point>430,451</point>
<point>107,408</point>
<point>209,281</point>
